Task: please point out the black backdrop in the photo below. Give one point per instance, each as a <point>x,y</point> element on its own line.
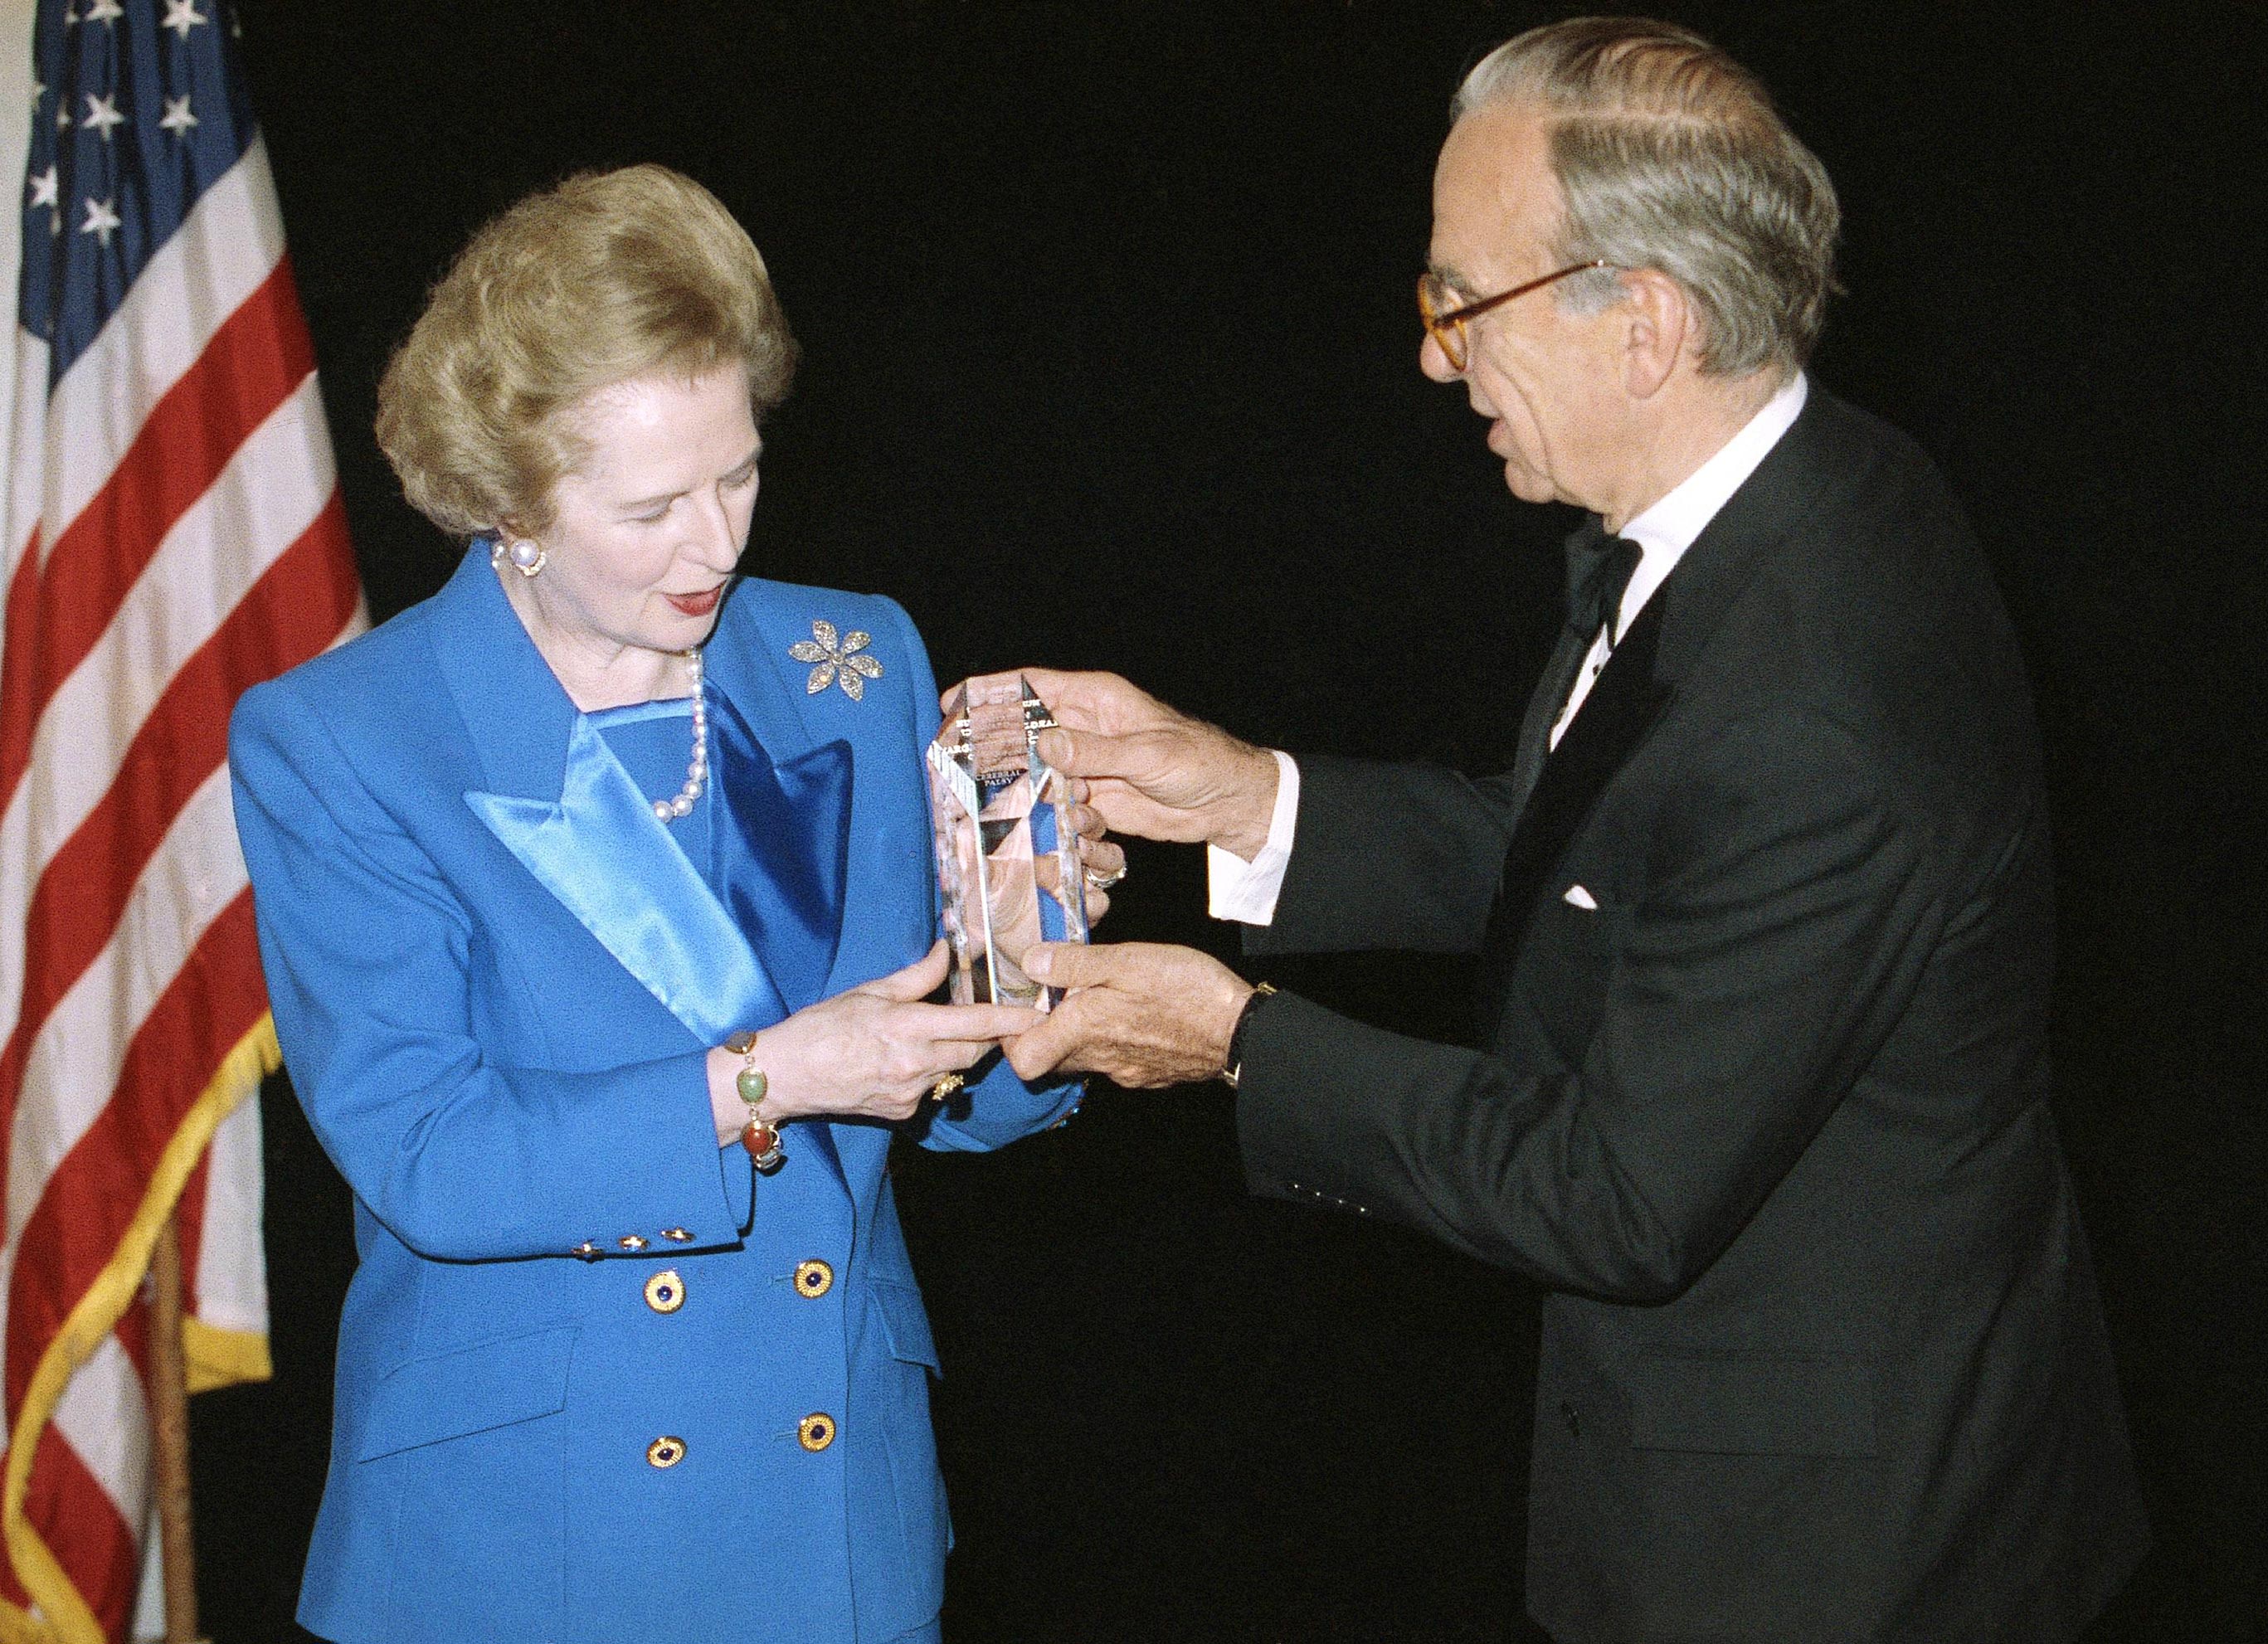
<point>1109,304</point>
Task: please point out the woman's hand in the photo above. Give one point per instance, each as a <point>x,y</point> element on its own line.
<point>872,1052</point>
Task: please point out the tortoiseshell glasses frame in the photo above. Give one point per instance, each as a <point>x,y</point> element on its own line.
<point>1447,324</point>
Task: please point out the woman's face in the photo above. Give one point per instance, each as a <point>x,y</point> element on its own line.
<point>647,529</point>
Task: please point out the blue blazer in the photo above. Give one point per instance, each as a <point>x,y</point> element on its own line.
<point>595,1379</point>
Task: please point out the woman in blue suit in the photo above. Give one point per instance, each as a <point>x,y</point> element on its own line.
<point>634,1350</point>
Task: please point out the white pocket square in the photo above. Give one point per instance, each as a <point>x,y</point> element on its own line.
<point>1576,896</point>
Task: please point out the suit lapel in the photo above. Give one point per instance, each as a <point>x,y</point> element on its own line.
<point>1543,706</point>
<point>770,687</point>
<point>813,765</point>
<point>1623,703</point>
<point>515,713</point>
<point>780,848</point>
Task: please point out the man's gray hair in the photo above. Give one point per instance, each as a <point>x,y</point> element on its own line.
<point>1669,156</point>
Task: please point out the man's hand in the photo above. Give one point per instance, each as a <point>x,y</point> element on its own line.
<point>1152,772</point>
<point>1140,1013</point>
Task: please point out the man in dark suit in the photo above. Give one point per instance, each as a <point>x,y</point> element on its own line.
<point>1764,913</point>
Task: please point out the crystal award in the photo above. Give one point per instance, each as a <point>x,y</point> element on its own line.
<point>1007,861</point>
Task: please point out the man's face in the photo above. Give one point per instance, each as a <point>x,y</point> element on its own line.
<point>1547,381</point>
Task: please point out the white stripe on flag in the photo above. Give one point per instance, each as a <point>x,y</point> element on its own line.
<point>26,437</point>
<point>106,1418</point>
<point>232,1285</point>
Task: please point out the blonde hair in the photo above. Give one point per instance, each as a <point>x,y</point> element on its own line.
<point>608,276</point>
<point>1670,156</point>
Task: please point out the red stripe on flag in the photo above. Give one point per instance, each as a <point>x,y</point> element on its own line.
<point>93,1194</point>
<point>260,355</point>
<point>75,1515</point>
<point>296,608</point>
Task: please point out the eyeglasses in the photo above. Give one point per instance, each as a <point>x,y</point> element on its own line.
<point>1447,324</point>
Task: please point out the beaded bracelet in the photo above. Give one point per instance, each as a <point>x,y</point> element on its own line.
<point>760,1136</point>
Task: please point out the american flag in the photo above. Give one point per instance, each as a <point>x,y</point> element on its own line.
<point>173,536</point>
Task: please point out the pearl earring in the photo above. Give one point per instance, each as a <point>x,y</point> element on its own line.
<point>525,556</point>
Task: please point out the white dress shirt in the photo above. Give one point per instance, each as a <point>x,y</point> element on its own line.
<point>1246,892</point>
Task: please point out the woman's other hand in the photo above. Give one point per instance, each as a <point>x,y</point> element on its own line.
<point>870,1052</point>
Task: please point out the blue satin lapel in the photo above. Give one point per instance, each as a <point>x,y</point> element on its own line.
<point>600,853</point>
<point>782,849</point>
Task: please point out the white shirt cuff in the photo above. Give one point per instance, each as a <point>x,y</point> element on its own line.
<point>1246,891</point>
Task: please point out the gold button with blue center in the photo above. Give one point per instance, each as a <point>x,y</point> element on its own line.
<point>666,1451</point>
<point>814,1279</point>
<point>815,1431</point>
<point>665,1291</point>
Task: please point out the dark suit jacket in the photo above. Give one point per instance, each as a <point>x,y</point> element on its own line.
<point>1822,1355</point>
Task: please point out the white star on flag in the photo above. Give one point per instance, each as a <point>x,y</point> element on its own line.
<point>178,118</point>
<point>101,220</point>
<point>102,114</point>
<point>181,15</point>
<point>104,11</point>
<point>44,185</point>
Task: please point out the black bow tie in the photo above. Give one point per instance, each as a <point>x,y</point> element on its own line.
<point>1599,569</point>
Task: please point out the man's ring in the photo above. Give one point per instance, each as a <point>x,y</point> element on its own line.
<point>1104,881</point>
<point>945,1087</point>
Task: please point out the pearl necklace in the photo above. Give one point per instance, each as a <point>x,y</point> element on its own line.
<point>696,773</point>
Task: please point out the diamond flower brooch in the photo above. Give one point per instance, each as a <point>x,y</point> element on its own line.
<point>835,661</point>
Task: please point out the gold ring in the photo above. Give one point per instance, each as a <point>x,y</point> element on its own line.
<point>944,1086</point>
<point>1102,881</point>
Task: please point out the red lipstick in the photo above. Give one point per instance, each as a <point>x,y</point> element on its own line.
<point>697,604</point>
